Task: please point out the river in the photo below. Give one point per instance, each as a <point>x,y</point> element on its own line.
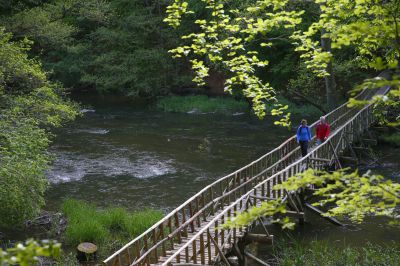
<point>122,154</point>
<point>119,153</point>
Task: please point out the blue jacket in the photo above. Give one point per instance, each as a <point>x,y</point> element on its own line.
<point>303,133</point>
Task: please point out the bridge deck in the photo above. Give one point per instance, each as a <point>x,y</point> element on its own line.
<point>192,233</point>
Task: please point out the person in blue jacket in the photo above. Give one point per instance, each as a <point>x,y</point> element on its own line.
<point>303,137</point>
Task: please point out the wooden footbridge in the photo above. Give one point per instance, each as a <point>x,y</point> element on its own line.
<point>191,234</point>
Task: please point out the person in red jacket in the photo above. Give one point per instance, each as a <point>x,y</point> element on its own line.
<point>322,130</point>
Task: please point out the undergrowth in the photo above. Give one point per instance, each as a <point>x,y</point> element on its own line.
<point>391,139</point>
<point>201,104</point>
<point>319,252</point>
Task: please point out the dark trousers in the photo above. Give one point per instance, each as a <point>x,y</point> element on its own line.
<point>303,147</point>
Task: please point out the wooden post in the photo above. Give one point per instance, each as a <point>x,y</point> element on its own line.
<point>162,237</point>
<point>202,250</point>
<point>209,246</point>
<point>242,258</point>
<point>177,226</point>
<point>155,243</point>
<point>147,259</point>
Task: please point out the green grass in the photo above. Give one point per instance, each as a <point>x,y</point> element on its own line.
<point>201,104</point>
<point>325,253</point>
<point>392,139</point>
<point>87,223</point>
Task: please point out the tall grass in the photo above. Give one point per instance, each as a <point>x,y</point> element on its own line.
<point>87,223</point>
<point>325,253</point>
<point>201,104</point>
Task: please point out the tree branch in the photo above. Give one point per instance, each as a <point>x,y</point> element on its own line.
<point>303,97</point>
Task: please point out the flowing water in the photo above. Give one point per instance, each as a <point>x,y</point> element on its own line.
<point>121,154</point>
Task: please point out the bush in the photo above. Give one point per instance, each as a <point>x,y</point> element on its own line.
<point>201,104</point>
<point>30,107</point>
<point>87,223</point>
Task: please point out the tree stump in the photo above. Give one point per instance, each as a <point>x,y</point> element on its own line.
<point>86,252</point>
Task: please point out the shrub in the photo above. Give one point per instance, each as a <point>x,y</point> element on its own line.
<point>30,107</point>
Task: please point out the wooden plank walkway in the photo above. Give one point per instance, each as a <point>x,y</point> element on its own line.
<point>192,233</point>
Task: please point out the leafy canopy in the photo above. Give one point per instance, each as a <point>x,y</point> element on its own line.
<point>225,39</point>
<point>28,253</point>
<point>228,37</point>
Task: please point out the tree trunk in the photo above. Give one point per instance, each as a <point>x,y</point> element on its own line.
<point>330,85</point>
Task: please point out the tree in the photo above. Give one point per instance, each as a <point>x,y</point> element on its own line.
<point>30,107</point>
<point>227,39</point>
<point>115,47</point>
<point>370,28</point>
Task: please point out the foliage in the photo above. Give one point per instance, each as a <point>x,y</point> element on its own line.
<point>306,83</point>
<point>87,223</point>
<point>391,139</point>
<point>227,38</point>
<point>201,104</point>
<point>370,27</point>
<point>28,254</point>
<point>224,40</point>
<point>347,75</point>
<point>305,110</point>
<point>112,46</point>
<point>345,195</point>
<point>30,106</point>
<point>319,252</point>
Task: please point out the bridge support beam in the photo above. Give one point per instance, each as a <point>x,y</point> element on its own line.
<point>241,246</point>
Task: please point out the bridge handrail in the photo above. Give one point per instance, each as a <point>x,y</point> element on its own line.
<point>287,148</point>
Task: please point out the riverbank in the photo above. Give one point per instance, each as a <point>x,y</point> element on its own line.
<point>78,221</point>
<point>319,252</point>
<point>202,104</point>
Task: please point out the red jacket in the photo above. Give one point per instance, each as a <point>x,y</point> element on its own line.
<point>322,130</point>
